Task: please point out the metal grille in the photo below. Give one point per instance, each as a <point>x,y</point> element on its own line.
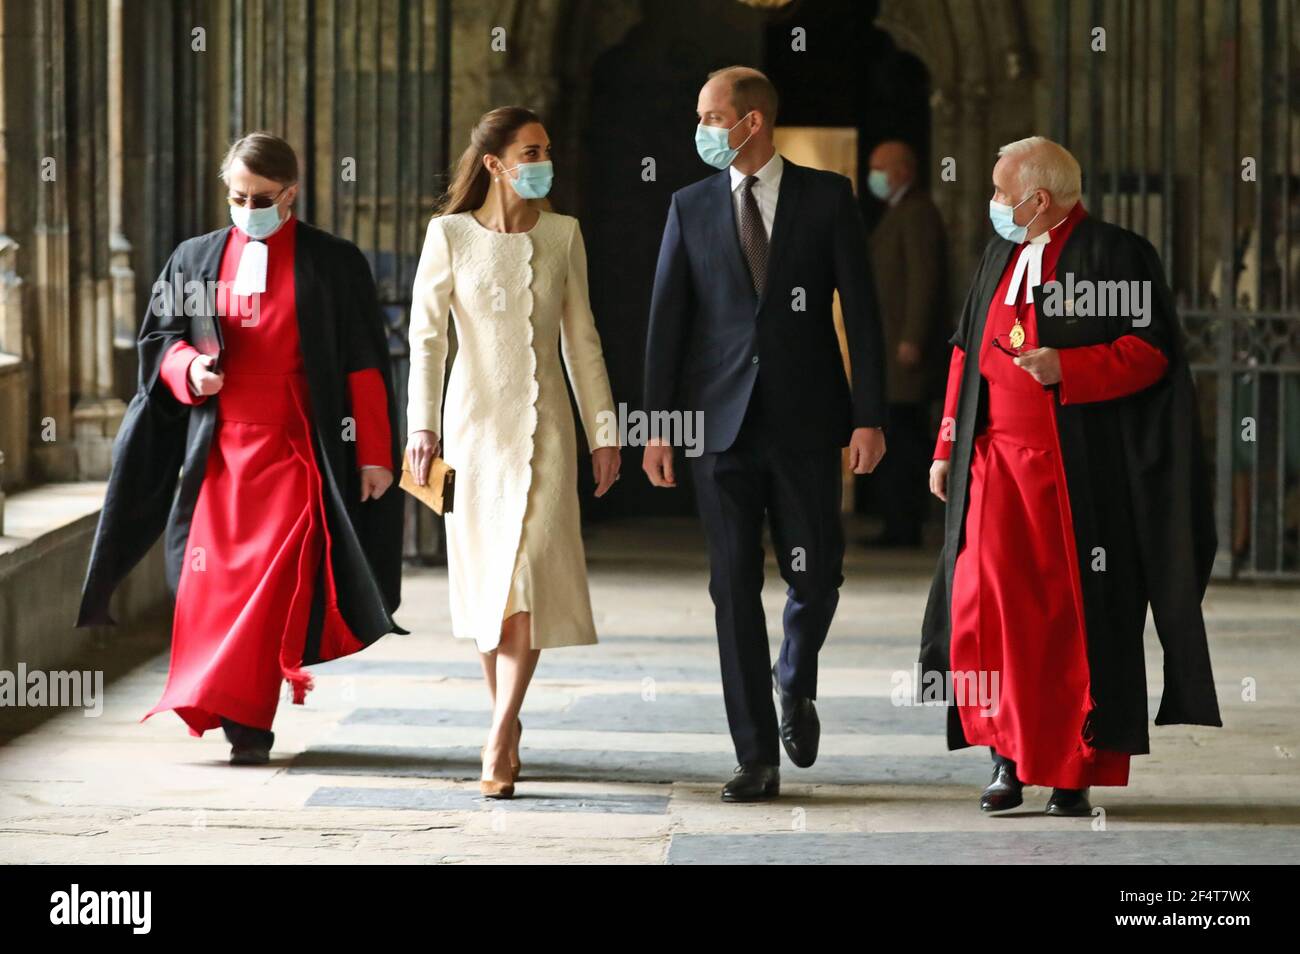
<point>1184,126</point>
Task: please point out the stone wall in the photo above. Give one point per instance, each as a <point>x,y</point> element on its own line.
<point>43,556</point>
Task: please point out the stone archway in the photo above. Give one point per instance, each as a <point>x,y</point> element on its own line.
<point>550,50</point>
<point>977,55</point>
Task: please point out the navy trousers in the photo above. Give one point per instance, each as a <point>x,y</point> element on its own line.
<point>799,493</point>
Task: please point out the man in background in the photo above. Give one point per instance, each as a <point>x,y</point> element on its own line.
<point>908,254</point>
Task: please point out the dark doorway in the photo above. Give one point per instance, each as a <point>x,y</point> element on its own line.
<point>642,116</point>
<point>643,108</point>
<point>851,74</point>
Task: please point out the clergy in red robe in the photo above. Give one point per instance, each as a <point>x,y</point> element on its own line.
<point>283,544</point>
<point>1070,458</point>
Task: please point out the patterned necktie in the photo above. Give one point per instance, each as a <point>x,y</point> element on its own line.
<point>753,237</point>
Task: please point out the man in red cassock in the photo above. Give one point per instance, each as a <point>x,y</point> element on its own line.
<point>1070,459</point>
<point>283,545</point>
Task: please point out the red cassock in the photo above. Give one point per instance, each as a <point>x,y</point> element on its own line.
<point>258,534</point>
<point>1017,604</point>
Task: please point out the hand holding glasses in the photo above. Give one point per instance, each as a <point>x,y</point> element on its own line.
<point>1007,348</point>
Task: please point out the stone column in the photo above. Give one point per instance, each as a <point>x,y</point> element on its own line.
<point>106,297</point>
<point>119,249</point>
<point>15,60</point>
<point>53,453</point>
<point>11,300</point>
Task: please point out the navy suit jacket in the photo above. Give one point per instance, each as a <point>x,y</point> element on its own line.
<point>710,335</point>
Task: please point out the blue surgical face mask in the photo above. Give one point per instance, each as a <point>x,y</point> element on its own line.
<point>1004,222</point>
<point>532,180</point>
<point>256,223</point>
<point>878,183</point>
<point>713,143</point>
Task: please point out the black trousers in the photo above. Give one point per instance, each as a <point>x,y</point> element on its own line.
<point>799,492</point>
<point>246,735</point>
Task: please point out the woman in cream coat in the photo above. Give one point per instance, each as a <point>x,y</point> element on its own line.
<point>514,279</point>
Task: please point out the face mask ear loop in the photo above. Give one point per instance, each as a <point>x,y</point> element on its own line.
<point>747,138</point>
<point>1036,214</point>
<point>1019,204</point>
<point>504,173</point>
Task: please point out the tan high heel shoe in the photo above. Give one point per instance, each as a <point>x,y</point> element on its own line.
<point>491,788</point>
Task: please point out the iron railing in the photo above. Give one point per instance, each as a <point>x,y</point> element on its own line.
<point>1185,125</point>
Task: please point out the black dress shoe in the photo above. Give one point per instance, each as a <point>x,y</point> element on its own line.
<point>1069,803</point>
<point>801,730</point>
<point>248,745</point>
<point>753,783</point>
<point>1004,791</point>
<point>249,755</point>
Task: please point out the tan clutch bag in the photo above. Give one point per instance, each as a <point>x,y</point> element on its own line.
<point>439,493</point>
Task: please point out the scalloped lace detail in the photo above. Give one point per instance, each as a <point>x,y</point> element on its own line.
<point>492,415</point>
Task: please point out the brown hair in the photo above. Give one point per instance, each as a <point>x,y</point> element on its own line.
<point>491,135</point>
<point>265,155</point>
<point>751,91</point>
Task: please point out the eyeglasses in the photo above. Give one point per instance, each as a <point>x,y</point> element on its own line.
<point>1007,348</point>
<point>259,200</point>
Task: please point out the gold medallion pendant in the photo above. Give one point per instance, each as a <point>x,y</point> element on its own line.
<point>1017,335</point>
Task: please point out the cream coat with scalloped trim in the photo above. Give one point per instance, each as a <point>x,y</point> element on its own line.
<point>519,303</point>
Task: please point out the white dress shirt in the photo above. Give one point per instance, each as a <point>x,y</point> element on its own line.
<point>766,190</point>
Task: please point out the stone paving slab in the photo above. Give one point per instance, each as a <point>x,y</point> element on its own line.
<point>462,799</point>
<point>641,767</point>
<point>626,712</point>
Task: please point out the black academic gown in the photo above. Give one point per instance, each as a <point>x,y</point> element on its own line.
<point>161,450</point>
<point>1138,487</point>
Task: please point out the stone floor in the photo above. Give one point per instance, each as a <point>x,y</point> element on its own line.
<point>625,748</point>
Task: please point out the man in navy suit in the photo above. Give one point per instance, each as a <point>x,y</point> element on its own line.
<point>742,331</point>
